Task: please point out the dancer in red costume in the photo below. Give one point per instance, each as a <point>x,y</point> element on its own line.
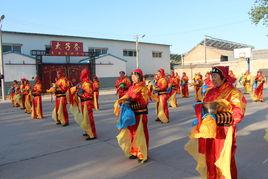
<point>61,86</point>
<point>134,140</point>
<point>37,110</point>
<point>122,84</point>
<point>213,140</point>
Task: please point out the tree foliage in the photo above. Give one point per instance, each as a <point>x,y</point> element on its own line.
<point>175,59</point>
<point>259,12</point>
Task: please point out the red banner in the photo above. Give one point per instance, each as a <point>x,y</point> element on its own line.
<point>61,48</point>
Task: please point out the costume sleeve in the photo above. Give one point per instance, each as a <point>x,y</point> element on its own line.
<point>238,103</point>
<point>38,88</point>
<point>62,85</point>
<point>162,85</point>
<point>96,86</point>
<point>87,88</point>
<point>127,82</point>
<point>145,96</point>
<point>116,84</point>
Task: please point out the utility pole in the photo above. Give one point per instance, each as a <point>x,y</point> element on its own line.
<point>137,48</point>
<point>1,60</point>
<point>205,49</point>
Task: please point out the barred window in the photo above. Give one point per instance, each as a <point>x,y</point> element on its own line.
<point>157,54</point>
<point>12,48</point>
<point>129,53</point>
<point>99,51</point>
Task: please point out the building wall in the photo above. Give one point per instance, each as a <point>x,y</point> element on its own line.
<point>147,62</point>
<point>260,54</point>
<point>16,72</point>
<point>197,55</point>
<point>238,67</point>
<point>104,69</point>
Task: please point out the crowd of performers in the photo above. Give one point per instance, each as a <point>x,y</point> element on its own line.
<point>253,85</point>
<point>27,97</point>
<point>219,108</point>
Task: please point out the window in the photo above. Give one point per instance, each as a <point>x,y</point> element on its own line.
<point>157,54</point>
<point>129,53</point>
<point>17,49</point>
<point>12,48</point>
<point>99,51</point>
<point>7,48</point>
<point>224,58</point>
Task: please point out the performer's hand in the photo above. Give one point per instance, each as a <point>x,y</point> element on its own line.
<point>211,115</point>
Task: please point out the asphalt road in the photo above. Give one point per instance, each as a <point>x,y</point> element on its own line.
<point>41,149</point>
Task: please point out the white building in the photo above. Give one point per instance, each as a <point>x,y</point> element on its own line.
<point>152,56</point>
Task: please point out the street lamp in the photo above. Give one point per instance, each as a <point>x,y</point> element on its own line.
<point>137,48</point>
<point>1,60</point>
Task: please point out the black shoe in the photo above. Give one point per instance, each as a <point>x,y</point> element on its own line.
<point>64,125</point>
<point>89,138</point>
<point>85,134</point>
<point>132,157</point>
<point>157,120</point>
<point>58,123</point>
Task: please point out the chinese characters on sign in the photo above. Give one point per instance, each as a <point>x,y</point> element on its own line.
<point>61,48</point>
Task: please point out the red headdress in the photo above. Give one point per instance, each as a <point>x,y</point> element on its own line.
<point>138,70</point>
<point>172,74</point>
<point>162,72</point>
<point>84,75</point>
<point>224,72</point>
<point>23,80</point>
<point>37,79</point>
<point>95,78</point>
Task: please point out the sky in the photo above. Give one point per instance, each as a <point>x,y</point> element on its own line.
<point>179,23</point>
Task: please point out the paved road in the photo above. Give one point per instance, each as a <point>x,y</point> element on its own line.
<point>40,149</point>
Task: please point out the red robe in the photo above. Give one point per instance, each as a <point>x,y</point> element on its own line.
<point>12,94</point>
<point>62,86</point>
<point>177,77</point>
<point>143,100</point>
<point>138,138</point>
<point>37,111</point>
<point>86,96</point>
<point>198,82</point>
<point>28,98</point>
<point>22,92</point>
<point>184,86</point>
<point>17,95</point>
<point>162,106</point>
<point>212,148</point>
<point>258,91</point>
<point>173,84</point>
<point>96,87</point>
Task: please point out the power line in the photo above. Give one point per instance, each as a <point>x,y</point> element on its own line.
<point>203,28</point>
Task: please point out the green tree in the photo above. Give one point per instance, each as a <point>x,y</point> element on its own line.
<point>259,12</point>
<point>175,59</point>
